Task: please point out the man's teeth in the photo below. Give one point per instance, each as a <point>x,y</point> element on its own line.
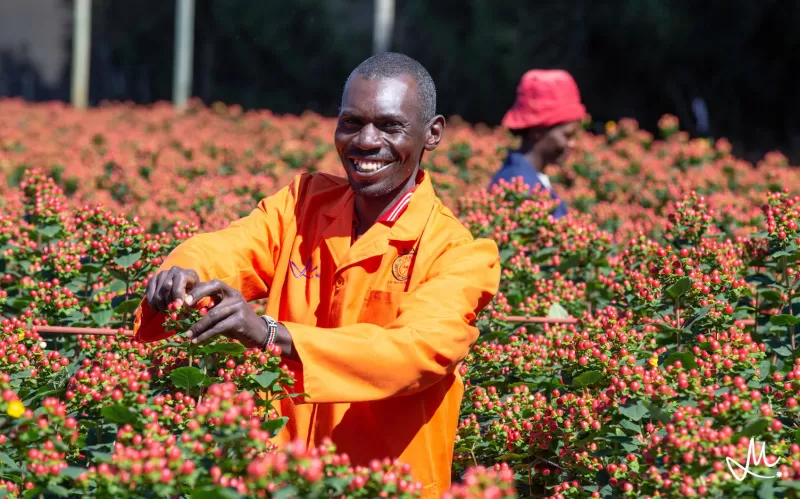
<point>369,166</point>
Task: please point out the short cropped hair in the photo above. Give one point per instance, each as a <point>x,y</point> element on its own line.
<point>393,64</point>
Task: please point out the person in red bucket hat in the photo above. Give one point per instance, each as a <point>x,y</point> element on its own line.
<point>546,116</point>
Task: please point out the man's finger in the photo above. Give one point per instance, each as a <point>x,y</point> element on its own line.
<point>178,290</point>
<point>215,289</point>
<point>226,326</point>
<point>151,288</point>
<point>157,302</point>
<point>211,319</point>
<point>164,292</point>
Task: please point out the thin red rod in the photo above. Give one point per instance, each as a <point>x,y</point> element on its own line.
<point>541,320</point>
<point>91,331</point>
<point>572,320</point>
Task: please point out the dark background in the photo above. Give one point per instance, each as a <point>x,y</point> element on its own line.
<point>631,58</point>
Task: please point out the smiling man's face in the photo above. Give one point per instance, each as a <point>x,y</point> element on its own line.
<point>379,134</point>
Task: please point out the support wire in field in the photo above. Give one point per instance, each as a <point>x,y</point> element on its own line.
<point>91,331</point>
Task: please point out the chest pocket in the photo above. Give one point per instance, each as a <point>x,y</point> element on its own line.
<point>381,307</point>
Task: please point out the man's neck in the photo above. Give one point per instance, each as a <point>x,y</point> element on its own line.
<point>528,150</point>
<point>369,210</point>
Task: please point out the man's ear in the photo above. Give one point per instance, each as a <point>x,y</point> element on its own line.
<point>435,133</point>
<point>538,133</point>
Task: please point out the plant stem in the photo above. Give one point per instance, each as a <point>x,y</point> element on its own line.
<point>205,370</point>
<point>755,314</point>
<point>127,295</point>
<point>678,319</point>
<point>786,283</point>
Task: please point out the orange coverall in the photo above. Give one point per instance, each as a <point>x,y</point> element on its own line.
<point>380,325</point>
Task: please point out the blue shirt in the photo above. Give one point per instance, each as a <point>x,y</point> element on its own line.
<point>516,165</point>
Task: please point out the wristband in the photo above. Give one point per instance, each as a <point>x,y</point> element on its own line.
<point>272,331</point>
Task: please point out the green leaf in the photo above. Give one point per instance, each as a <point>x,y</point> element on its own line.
<point>764,366</point>
<point>752,430</point>
<point>545,252</point>
<point>657,413</point>
<point>771,295</point>
<point>101,457</point>
<point>797,435</point>
<point>760,278</point>
<point>784,320</point>
<point>187,377</point>
<point>119,413</point>
<point>58,490</point>
<point>765,490</point>
<point>783,351</point>
<point>793,484</point>
<point>630,426</point>
<point>126,261</point>
<point>511,457</point>
<point>226,348</point>
<point>120,278</point>
<point>557,312</point>
<point>634,466</point>
<point>586,379</point>
<point>91,268</point>
<point>699,314</point>
<point>273,426</point>
<point>679,288</point>
<point>6,459</point>
<point>506,253</point>
<point>101,317</point>
<point>285,492</point>
<point>635,412</point>
<point>21,375</point>
<point>337,485</point>
<point>266,379</point>
<point>49,230</point>
<point>666,327</point>
<point>117,286</point>
<point>215,492</point>
<point>127,307</point>
<point>686,358</point>
<point>21,303</point>
<point>73,472</point>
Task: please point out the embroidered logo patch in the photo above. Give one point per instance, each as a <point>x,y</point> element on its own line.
<point>297,272</point>
<point>401,266</point>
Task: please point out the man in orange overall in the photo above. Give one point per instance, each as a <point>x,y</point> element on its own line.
<point>373,284</point>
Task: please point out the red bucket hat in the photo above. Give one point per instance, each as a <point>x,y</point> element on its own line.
<point>545,97</point>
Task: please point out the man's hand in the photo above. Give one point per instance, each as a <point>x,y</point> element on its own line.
<point>170,285</point>
<point>231,316</point>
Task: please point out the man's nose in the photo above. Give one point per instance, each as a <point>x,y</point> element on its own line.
<point>368,138</point>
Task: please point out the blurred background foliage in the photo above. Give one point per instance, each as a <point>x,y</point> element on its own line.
<point>631,58</point>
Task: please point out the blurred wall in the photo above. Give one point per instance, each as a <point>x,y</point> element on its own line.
<point>33,47</point>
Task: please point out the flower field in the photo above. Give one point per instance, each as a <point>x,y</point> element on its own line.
<point>678,260</point>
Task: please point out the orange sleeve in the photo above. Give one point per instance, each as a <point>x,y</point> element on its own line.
<point>241,255</point>
<point>431,335</point>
